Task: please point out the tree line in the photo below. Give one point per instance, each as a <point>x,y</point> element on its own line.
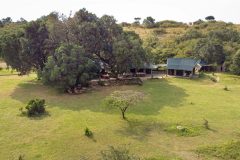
<point>68,51</point>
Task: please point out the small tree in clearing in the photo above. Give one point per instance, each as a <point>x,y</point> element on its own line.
<point>123,100</point>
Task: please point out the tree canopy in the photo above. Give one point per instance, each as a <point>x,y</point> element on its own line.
<point>149,22</point>
<point>210,50</point>
<point>210,18</point>
<point>235,67</point>
<point>42,44</point>
<point>69,68</point>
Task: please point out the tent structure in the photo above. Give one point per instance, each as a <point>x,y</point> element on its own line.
<point>183,66</point>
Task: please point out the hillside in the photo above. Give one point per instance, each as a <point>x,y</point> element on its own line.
<point>174,31</point>
<point>181,40</point>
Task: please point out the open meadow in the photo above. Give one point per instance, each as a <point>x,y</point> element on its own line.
<point>149,132</point>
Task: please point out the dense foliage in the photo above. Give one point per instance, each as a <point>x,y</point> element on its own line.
<point>70,51</point>
<point>235,67</point>
<point>69,67</point>
<point>35,107</point>
<point>27,46</point>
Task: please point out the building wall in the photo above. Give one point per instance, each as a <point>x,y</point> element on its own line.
<point>182,73</point>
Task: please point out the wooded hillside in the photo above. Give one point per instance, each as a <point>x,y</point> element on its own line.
<point>176,39</point>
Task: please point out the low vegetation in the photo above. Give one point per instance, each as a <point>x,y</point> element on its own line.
<point>228,151</point>
<point>119,153</point>
<point>35,107</point>
<point>182,130</point>
<point>88,132</point>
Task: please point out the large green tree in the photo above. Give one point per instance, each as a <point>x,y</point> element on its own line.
<point>11,49</point>
<point>69,68</point>
<point>127,53</point>
<point>149,22</point>
<point>210,18</point>
<point>102,39</point>
<point>5,21</point>
<point>105,41</point>
<point>34,44</point>
<point>210,50</point>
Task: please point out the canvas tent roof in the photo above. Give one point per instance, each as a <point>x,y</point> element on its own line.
<point>186,64</point>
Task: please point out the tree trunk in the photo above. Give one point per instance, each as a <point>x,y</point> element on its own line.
<point>123,115</point>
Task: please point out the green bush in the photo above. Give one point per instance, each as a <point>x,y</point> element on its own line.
<point>35,107</point>
<point>88,132</point>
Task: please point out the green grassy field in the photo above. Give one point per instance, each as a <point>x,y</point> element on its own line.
<point>169,102</point>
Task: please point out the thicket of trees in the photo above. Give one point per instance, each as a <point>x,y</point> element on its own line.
<point>69,51</point>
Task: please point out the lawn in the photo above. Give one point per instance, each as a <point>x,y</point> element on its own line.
<point>147,132</point>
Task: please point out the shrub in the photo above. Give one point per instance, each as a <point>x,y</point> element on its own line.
<point>35,107</point>
<point>189,35</point>
<point>88,132</point>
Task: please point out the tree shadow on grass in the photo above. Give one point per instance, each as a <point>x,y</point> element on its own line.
<point>139,129</point>
<point>159,94</point>
<point>35,117</point>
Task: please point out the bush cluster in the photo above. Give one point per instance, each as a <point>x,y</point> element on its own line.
<point>88,132</point>
<point>35,107</point>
